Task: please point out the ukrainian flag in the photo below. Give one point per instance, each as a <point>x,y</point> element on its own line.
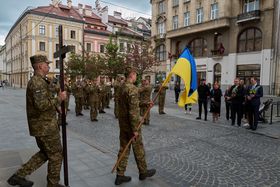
<point>185,68</point>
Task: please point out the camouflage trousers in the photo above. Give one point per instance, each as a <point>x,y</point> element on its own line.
<point>102,103</point>
<point>138,150</point>
<point>116,108</point>
<point>51,151</point>
<point>79,105</point>
<point>107,100</point>
<point>94,110</point>
<point>161,101</point>
<point>143,110</point>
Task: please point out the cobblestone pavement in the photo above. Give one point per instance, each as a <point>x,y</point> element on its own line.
<point>187,152</point>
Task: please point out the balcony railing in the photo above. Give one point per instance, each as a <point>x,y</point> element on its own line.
<point>248,16</point>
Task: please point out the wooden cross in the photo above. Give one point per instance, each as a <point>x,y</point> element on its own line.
<point>61,54</point>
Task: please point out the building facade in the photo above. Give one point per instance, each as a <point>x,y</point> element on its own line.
<point>227,38</point>
<point>2,62</point>
<point>36,32</point>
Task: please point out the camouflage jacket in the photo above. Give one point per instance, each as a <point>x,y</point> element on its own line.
<point>145,94</point>
<point>163,90</point>
<point>41,107</point>
<point>129,107</point>
<point>93,91</point>
<point>78,90</point>
<point>117,86</point>
<point>103,90</point>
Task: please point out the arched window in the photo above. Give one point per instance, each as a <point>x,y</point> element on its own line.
<point>198,47</point>
<point>250,40</point>
<point>161,52</point>
<point>217,73</point>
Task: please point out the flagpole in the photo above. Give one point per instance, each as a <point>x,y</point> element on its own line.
<point>139,125</point>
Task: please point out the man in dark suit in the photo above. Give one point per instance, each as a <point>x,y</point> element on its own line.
<point>203,94</point>
<point>254,93</point>
<point>236,97</point>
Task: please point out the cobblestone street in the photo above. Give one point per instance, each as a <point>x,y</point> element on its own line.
<point>185,152</point>
<point>188,152</point>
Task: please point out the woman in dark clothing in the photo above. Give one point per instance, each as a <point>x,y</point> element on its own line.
<point>177,90</point>
<point>215,95</point>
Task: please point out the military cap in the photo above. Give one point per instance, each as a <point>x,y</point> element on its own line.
<point>39,58</point>
<point>128,70</point>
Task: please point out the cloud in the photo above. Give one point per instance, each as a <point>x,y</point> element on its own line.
<point>11,10</point>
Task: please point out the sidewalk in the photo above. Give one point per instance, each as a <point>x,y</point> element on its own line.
<point>89,165</point>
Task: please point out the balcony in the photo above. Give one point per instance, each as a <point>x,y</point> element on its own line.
<point>202,27</point>
<point>160,37</point>
<point>217,54</point>
<point>249,16</point>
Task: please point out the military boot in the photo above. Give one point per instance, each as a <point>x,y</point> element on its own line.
<point>55,185</point>
<point>149,173</point>
<point>121,179</point>
<point>21,181</point>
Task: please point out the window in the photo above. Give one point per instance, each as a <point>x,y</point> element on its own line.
<point>250,40</point>
<point>56,47</point>
<point>73,34</point>
<point>161,28</point>
<point>214,11</point>
<point>187,18</point>
<point>199,15</point>
<point>42,29</point>
<point>42,46</point>
<point>121,47</point>
<point>56,31</point>
<point>175,2</point>
<point>102,48</point>
<point>72,48</point>
<point>161,8</point>
<point>161,53</point>
<point>57,64</point>
<point>128,48</point>
<point>88,47</point>
<point>251,5</point>
<point>198,47</point>
<point>175,22</point>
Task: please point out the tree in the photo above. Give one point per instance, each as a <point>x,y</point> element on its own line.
<point>75,66</point>
<point>142,58</point>
<point>115,63</point>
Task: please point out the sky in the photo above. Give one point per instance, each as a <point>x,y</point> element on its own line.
<point>12,9</point>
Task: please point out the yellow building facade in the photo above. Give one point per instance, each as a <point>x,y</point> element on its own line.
<point>36,32</point>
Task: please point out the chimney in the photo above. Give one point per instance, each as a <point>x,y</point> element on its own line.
<point>88,10</point>
<point>104,14</point>
<point>69,3</point>
<point>118,15</point>
<point>80,8</point>
<point>55,3</point>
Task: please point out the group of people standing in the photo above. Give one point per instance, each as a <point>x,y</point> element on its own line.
<point>43,98</point>
<point>240,101</point>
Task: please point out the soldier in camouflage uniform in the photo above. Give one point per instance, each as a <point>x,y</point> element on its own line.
<point>128,121</point>
<point>42,122</point>
<point>86,94</point>
<point>102,95</point>
<point>161,97</point>
<point>145,98</point>
<point>108,94</point>
<point>68,90</point>
<point>117,88</point>
<point>78,94</point>
<point>93,91</point>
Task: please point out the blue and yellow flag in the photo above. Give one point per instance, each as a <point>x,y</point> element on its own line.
<point>185,68</point>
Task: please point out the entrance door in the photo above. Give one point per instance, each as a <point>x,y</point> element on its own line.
<point>217,73</point>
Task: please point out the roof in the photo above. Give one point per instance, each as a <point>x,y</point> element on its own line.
<point>98,31</point>
<point>60,11</point>
<point>116,20</point>
<point>128,32</point>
